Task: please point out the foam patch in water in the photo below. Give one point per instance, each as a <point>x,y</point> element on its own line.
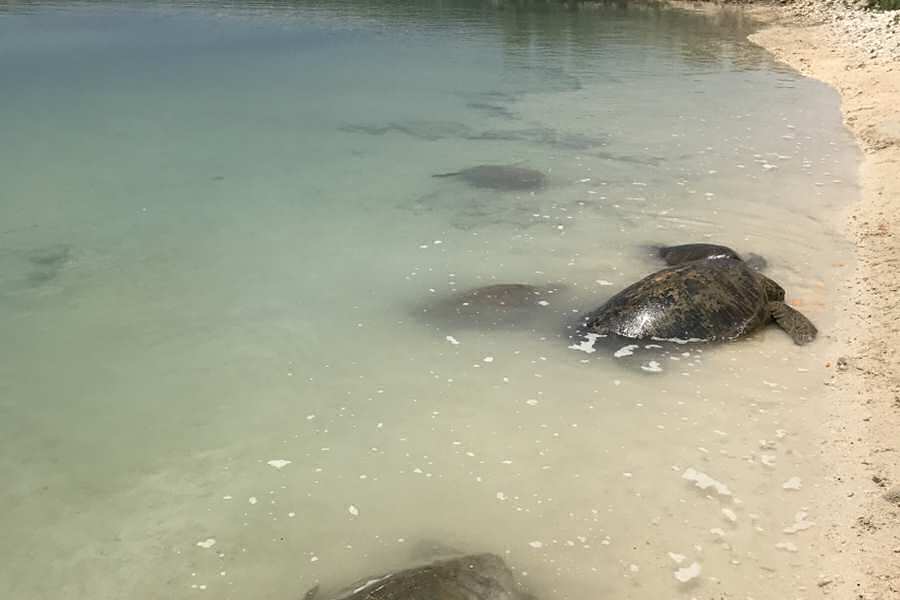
<point>587,345</point>
<point>800,523</point>
<point>794,483</point>
<point>688,573</point>
<point>704,481</point>
<point>625,350</point>
<point>652,367</point>
<point>787,546</point>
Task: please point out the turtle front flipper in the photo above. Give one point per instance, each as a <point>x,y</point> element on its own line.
<point>311,593</point>
<point>801,329</point>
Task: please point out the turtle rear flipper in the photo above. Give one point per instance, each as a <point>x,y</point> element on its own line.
<point>801,329</point>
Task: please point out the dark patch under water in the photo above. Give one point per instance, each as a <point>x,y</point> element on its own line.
<point>442,130</point>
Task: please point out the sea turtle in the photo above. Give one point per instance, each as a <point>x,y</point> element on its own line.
<point>469,577</point>
<point>698,301</point>
<point>676,255</point>
<point>500,177</point>
<point>491,306</point>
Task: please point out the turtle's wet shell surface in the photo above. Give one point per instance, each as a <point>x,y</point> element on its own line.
<point>705,300</point>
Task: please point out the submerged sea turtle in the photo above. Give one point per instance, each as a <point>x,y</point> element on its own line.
<point>497,305</point>
<point>500,177</point>
<point>706,300</point>
<point>676,255</point>
<point>470,577</point>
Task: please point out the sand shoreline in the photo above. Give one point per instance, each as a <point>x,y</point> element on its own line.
<point>860,533</point>
<point>858,54</point>
<point>860,537</point>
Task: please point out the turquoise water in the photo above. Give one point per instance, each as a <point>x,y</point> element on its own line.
<point>218,229</point>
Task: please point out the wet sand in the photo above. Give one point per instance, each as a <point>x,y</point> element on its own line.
<point>858,54</point>
<point>860,544</point>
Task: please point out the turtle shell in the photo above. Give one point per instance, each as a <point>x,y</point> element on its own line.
<point>706,300</point>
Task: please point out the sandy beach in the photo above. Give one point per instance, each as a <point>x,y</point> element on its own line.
<point>856,52</point>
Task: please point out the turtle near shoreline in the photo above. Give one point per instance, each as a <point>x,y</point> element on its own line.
<point>705,300</point>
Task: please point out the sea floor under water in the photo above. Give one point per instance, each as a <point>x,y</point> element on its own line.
<point>223,262</point>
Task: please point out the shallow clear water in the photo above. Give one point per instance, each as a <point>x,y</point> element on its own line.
<point>220,245</point>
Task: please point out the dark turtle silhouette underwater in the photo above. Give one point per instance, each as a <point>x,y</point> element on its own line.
<point>682,253</point>
<point>500,177</point>
<point>469,577</point>
<point>713,299</point>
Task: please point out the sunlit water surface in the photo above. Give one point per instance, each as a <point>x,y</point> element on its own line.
<point>219,239</point>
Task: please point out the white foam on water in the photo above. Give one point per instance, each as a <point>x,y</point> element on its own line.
<point>794,483</point>
<point>688,573</point>
<point>207,543</point>
<point>587,345</point>
<point>786,546</point>
<point>801,523</point>
<point>704,481</point>
<point>625,350</point>
<point>278,463</point>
